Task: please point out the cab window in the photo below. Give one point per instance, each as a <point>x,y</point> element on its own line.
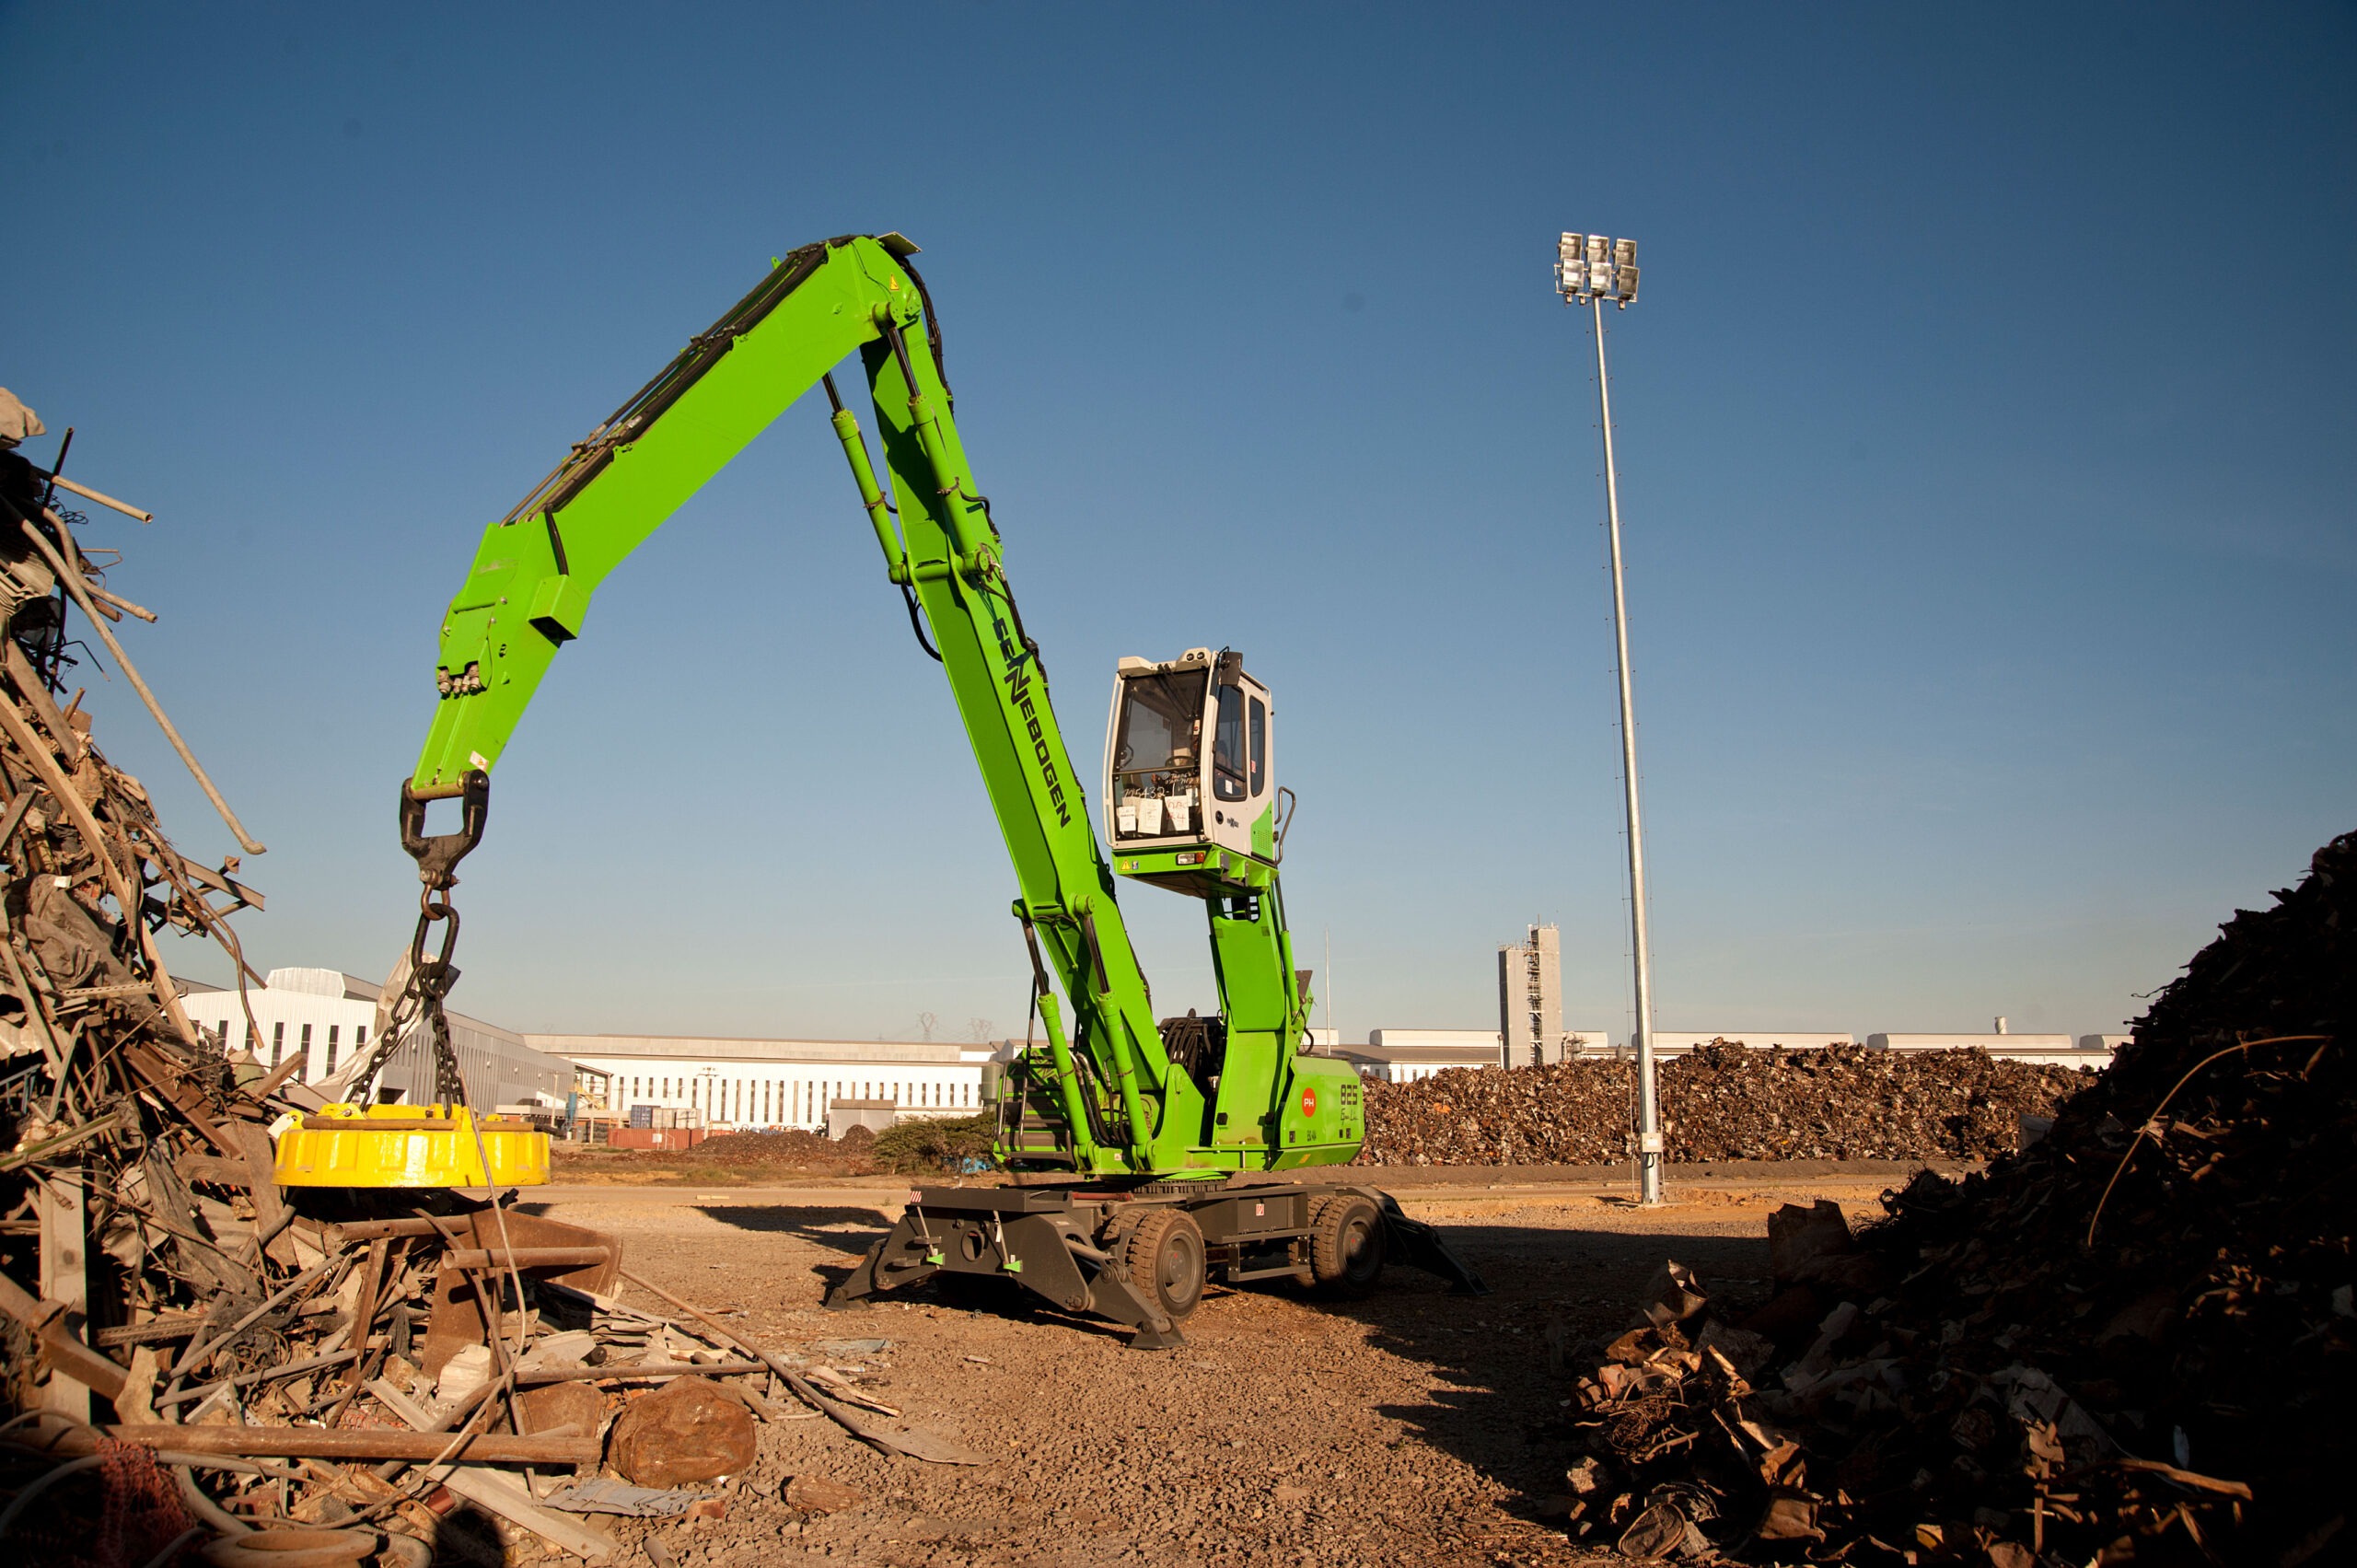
<point>1259,747</point>
<point>1160,718</point>
<point>1227,746</point>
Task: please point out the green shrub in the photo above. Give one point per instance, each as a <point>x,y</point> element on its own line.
<point>928,1147</point>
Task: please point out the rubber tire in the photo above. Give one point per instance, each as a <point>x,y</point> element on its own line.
<point>1346,1244</point>
<point>1163,1258</point>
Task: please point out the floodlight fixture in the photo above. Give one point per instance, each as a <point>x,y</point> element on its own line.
<point>1595,269</point>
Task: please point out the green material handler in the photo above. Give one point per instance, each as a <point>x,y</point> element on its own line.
<point>1146,1154</point>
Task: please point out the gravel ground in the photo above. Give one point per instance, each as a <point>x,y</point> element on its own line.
<point>1409,1428</point>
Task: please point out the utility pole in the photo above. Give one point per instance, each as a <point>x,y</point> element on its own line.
<point>1589,270</point>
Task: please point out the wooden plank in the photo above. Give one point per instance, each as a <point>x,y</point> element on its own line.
<point>487,1488</point>
<point>64,1210</point>
<point>317,1442</point>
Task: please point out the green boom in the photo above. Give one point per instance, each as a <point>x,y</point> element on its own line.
<point>1102,1089</point>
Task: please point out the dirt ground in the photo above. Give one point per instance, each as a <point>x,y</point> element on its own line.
<point>1410,1427</point>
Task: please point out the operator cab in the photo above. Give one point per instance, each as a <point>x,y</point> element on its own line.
<point>1190,780</point>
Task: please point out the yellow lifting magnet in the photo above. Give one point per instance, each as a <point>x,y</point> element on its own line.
<point>410,1146</point>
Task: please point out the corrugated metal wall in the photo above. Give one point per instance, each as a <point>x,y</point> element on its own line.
<point>497,1070</point>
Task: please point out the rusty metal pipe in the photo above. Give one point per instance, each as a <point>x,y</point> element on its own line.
<point>527,1256</point>
<point>317,1442</point>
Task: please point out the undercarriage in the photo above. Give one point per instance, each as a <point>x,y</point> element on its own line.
<point>1141,1255</point>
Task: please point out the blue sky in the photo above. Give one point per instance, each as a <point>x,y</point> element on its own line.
<point>1984,431</point>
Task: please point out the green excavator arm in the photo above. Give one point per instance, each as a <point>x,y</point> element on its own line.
<point>1102,1095</point>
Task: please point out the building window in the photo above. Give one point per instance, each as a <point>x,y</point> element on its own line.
<point>277,1044</point>
<point>331,1031</point>
<point>359,1037</point>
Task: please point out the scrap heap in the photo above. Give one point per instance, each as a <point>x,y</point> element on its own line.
<point>1720,1102</point>
<point>2132,1340</point>
<point>186,1350</point>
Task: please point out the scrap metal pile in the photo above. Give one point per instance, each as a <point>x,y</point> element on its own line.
<point>794,1147</point>
<point>1720,1102</point>
<point>434,1385</point>
<point>189,1352</point>
<point>2133,1340</point>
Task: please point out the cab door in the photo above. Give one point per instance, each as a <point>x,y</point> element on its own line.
<point>1241,792</point>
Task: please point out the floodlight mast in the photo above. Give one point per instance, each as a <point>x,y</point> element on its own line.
<point>1589,270</point>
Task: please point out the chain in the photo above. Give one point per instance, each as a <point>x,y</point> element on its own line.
<point>415,995</point>
<point>415,991</point>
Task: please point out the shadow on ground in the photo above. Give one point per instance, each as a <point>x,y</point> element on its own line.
<point>849,1231</point>
<point>1501,1365</point>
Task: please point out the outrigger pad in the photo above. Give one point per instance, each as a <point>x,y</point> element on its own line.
<point>856,1287</point>
<point>898,1259</point>
<point>1111,1296</point>
<point>1419,1246</point>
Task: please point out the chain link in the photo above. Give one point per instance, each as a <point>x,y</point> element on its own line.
<point>418,988</point>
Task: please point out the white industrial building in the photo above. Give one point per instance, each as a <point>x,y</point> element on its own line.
<point>323,1017</point>
<point>1403,1056</point>
<point>776,1083</point>
<point>1678,1043</point>
<point>2040,1050</point>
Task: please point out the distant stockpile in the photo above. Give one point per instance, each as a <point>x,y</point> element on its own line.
<point>1720,1101</point>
